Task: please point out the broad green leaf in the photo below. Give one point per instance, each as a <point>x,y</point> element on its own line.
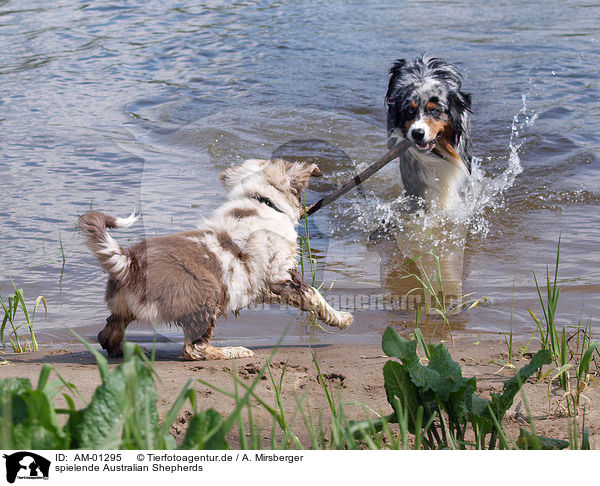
<point>11,386</point>
<point>29,421</point>
<point>501,403</point>
<point>101,361</point>
<point>31,435</point>
<point>460,400</point>
<point>141,416</point>
<point>44,375</point>
<point>101,421</point>
<point>206,430</point>
<point>395,346</point>
<point>124,406</point>
<point>442,376</point>
<point>398,384</point>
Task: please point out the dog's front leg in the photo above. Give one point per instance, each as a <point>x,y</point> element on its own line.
<point>300,294</point>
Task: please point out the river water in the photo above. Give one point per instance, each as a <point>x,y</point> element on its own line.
<point>121,105</point>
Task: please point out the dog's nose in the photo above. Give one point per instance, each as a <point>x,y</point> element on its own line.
<point>417,134</point>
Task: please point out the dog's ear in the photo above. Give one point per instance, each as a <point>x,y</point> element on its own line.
<point>230,178</point>
<point>300,174</point>
<point>225,179</point>
<point>393,96</point>
<point>460,108</point>
<point>466,100</point>
<point>234,176</point>
<point>397,66</point>
<point>396,72</point>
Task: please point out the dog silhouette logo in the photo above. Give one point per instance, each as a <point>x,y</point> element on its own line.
<point>26,465</point>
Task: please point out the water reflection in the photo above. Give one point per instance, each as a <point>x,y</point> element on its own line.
<point>422,274</point>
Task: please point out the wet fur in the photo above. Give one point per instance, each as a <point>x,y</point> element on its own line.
<point>425,104</point>
<point>244,253</point>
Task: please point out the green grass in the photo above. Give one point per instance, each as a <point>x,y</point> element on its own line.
<point>305,251</point>
<point>308,263</point>
<point>121,414</point>
<point>63,259</point>
<point>550,337</point>
<point>435,300</point>
<point>17,316</point>
<point>565,359</point>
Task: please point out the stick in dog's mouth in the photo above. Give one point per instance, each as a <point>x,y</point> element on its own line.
<point>428,147</point>
<point>393,153</point>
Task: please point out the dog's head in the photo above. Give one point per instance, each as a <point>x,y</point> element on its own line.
<point>426,105</point>
<point>280,181</point>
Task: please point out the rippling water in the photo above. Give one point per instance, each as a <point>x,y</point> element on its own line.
<point>116,105</point>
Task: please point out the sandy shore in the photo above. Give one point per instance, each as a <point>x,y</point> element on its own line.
<point>355,373</point>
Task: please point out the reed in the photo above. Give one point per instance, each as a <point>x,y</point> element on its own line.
<point>435,300</point>
<point>17,315</point>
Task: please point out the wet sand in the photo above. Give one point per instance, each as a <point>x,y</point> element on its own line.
<point>354,372</point>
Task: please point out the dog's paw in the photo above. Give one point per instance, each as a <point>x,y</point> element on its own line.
<point>107,341</point>
<point>194,352</point>
<point>345,320</point>
<point>114,352</point>
<point>231,352</point>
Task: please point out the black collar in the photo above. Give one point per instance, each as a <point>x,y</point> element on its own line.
<point>267,201</point>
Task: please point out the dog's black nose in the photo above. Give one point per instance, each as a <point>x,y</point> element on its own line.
<point>417,134</point>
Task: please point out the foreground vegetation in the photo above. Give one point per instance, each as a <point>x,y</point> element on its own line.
<point>16,316</point>
<point>431,406</point>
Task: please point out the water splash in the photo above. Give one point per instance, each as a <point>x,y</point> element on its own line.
<point>484,192</point>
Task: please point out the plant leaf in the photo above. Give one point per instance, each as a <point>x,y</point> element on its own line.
<point>206,430</point>
<point>395,346</point>
<point>398,384</point>
<point>28,418</point>
<point>584,364</point>
<point>501,403</point>
<point>124,405</point>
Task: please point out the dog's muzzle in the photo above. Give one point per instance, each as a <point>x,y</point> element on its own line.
<point>417,135</point>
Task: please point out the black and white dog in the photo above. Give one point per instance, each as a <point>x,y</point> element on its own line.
<point>425,105</point>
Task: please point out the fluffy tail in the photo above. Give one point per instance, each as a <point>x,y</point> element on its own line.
<point>114,259</point>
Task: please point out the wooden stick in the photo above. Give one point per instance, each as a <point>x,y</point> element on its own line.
<point>360,178</point>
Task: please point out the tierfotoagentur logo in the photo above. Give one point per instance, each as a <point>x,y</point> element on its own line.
<point>26,465</point>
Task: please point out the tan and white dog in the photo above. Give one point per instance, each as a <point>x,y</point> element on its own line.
<point>244,253</point>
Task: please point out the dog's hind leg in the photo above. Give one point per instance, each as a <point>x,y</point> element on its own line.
<point>298,293</point>
<point>198,333</point>
<point>111,337</point>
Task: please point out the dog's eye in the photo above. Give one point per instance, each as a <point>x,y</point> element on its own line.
<point>434,112</point>
<point>411,112</point>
